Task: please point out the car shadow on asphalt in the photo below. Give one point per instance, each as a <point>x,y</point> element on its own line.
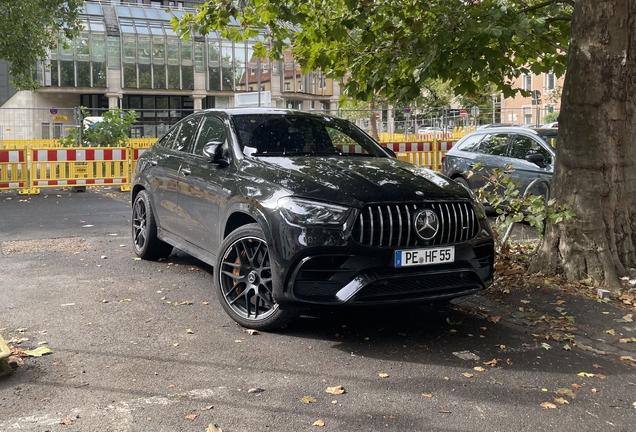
<point>440,333</point>
<point>435,333</point>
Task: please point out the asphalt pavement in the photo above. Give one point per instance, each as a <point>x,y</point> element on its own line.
<point>145,346</point>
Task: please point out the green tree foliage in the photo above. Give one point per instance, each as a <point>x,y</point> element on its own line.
<point>30,28</point>
<point>392,48</point>
<point>112,131</point>
<point>550,117</point>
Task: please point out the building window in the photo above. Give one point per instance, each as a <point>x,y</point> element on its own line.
<point>287,86</point>
<point>46,130</point>
<point>549,82</point>
<point>527,82</point>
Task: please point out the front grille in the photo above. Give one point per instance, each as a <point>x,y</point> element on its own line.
<point>391,225</point>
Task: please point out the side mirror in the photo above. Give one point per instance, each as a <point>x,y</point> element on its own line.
<point>214,152</point>
<point>537,159</point>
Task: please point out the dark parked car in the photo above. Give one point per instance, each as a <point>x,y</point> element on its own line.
<point>295,209</point>
<point>528,151</point>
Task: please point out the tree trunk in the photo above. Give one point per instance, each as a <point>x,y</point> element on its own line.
<point>373,121</point>
<point>595,171</point>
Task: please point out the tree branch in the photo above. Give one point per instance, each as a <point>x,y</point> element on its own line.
<point>554,44</point>
<point>544,4</point>
<point>559,18</point>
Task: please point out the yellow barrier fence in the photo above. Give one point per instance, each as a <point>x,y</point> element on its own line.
<point>13,169</point>
<point>428,154</point>
<point>53,168</point>
<point>29,170</point>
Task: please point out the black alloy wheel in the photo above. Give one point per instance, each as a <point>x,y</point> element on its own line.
<point>243,276</point>
<point>144,230</point>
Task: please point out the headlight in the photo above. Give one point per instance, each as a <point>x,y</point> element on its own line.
<point>298,211</point>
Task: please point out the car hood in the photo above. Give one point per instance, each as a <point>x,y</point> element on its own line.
<point>352,180</point>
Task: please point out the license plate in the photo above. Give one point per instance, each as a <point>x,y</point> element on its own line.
<point>428,256</point>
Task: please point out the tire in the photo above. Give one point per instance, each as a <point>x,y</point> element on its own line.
<point>144,230</point>
<point>243,279</point>
<point>462,181</point>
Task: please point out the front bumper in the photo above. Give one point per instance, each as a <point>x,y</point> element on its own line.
<point>359,279</point>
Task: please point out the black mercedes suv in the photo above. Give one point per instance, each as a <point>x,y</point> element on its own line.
<point>294,209</point>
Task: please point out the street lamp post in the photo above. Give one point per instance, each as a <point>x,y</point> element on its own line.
<point>494,102</point>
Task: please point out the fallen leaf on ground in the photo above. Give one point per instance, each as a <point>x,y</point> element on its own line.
<point>191,416</point>
<point>586,375</point>
<point>255,390</point>
<point>565,392</point>
<point>213,428</point>
<point>561,401</point>
<point>548,405</point>
<point>625,340</point>
<point>634,404</point>
<point>468,374</point>
<point>479,369</point>
<point>575,385</point>
<point>189,331</point>
<point>597,366</point>
<point>318,423</point>
<point>66,421</point>
<point>629,358</point>
<point>337,390</point>
<point>383,375</point>
<point>629,317</point>
<point>207,408</point>
<point>38,352</point>
<point>492,363</point>
<point>494,319</point>
<point>611,331</point>
<point>252,332</point>
<point>308,399</point>
<point>427,395</point>
<point>334,402</point>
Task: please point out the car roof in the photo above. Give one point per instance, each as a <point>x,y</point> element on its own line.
<point>257,111</point>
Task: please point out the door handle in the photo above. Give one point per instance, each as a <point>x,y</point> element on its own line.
<point>186,171</point>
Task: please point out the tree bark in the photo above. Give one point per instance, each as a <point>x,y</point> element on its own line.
<point>373,121</point>
<point>595,172</point>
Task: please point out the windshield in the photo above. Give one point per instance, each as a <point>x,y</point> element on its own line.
<point>290,134</point>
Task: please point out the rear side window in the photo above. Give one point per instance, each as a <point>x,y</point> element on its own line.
<point>494,144</point>
<point>470,144</point>
<point>525,145</point>
<point>186,133</point>
<point>168,139</point>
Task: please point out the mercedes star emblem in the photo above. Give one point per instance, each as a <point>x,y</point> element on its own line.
<point>426,224</point>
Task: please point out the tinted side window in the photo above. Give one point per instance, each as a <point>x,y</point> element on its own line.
<point>168,139</point>
<point>186,133</point>
<point>470,144</point>
<point>212,129</point>
<point>494,145</point>
<point>525,145</point>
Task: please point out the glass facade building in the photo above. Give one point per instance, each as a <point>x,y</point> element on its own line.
<point>128,55</point>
